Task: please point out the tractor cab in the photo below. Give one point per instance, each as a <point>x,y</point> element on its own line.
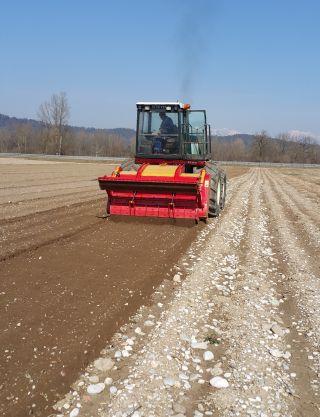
<point>172,131</point>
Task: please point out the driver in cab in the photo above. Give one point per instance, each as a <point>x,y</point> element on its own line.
<point>167,127</point>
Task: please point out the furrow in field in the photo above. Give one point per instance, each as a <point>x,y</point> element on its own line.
<point>255,359</point>
<point>38,205</point>
<point>298,208</point>
<point>301,285</point>
<point>33,231</point>
<point>301,181</point>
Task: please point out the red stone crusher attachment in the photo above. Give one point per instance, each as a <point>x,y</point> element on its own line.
<point>172,174</point>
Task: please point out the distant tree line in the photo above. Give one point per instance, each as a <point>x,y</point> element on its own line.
<point>263,148</point>
<point>52,135</point>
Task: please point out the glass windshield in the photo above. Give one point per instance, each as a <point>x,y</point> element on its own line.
<point>195,143</point>
<point>158,133</point>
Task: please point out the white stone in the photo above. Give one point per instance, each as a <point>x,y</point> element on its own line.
<point>199,345</point>
<point>94,379</point>
<point>95,388</point>
<point>276,353</point>
<point>286,355</point>
<point>108,381</point>
<point>169,382</point>
<point>103,364</point>
<point>74,412</point>
<point>219,382</point>
<point>138,331</point>
<point>208,356</point>
<point>276,329</point>
<point>118,354</point>
<point>113,390</point>
<point>177,278</point>
<point>149,323</point>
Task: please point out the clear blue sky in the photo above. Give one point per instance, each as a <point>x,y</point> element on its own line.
<point>252,64</point>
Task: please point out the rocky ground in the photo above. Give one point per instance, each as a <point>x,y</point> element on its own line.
<point>238,336</point>
<point>215,320</point>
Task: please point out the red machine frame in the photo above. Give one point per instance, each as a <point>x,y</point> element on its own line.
<point>180,195</point>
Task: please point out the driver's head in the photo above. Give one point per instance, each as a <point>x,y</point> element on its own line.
<point>162,114</point>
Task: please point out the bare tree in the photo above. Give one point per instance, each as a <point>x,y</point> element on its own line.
<point>54,114</point>
<point>284,141</point>
<point>305,146</point>
<point>260,144</point>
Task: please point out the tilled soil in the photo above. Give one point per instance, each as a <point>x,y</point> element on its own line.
<point>234,330</point>
<point>243,288</point>
<point>69,279</point>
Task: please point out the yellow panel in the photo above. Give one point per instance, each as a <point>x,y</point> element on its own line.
<point>190,175</point>
<point>128,172</point>
<point>159,171</point>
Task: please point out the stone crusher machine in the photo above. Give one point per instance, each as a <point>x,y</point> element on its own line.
<point>172,174</point>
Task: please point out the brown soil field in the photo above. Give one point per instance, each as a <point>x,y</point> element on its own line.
<point>70,279</point>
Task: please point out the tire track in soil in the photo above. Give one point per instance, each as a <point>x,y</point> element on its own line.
<point>300,288</point>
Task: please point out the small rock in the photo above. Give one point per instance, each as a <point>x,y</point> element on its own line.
<point>139,331</point>
<point>276,353</point>
<point>199,345</point>
<point>74,412</point>
<point>276,329</point>
<point>219,382</point>
<point>208,356</point>
<point>113,390</point>
<point>177,278</point>
<point>103,364</point>
<point>118,354</point>
<point>286,355</point>
<point>149,323</point>
<point>169,382</point>
<point>216,371</point>
<point>95,388</point>
<point>108,381</point>
<point>94,379</point>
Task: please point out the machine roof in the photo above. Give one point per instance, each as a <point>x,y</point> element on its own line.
<point>161,103</point>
